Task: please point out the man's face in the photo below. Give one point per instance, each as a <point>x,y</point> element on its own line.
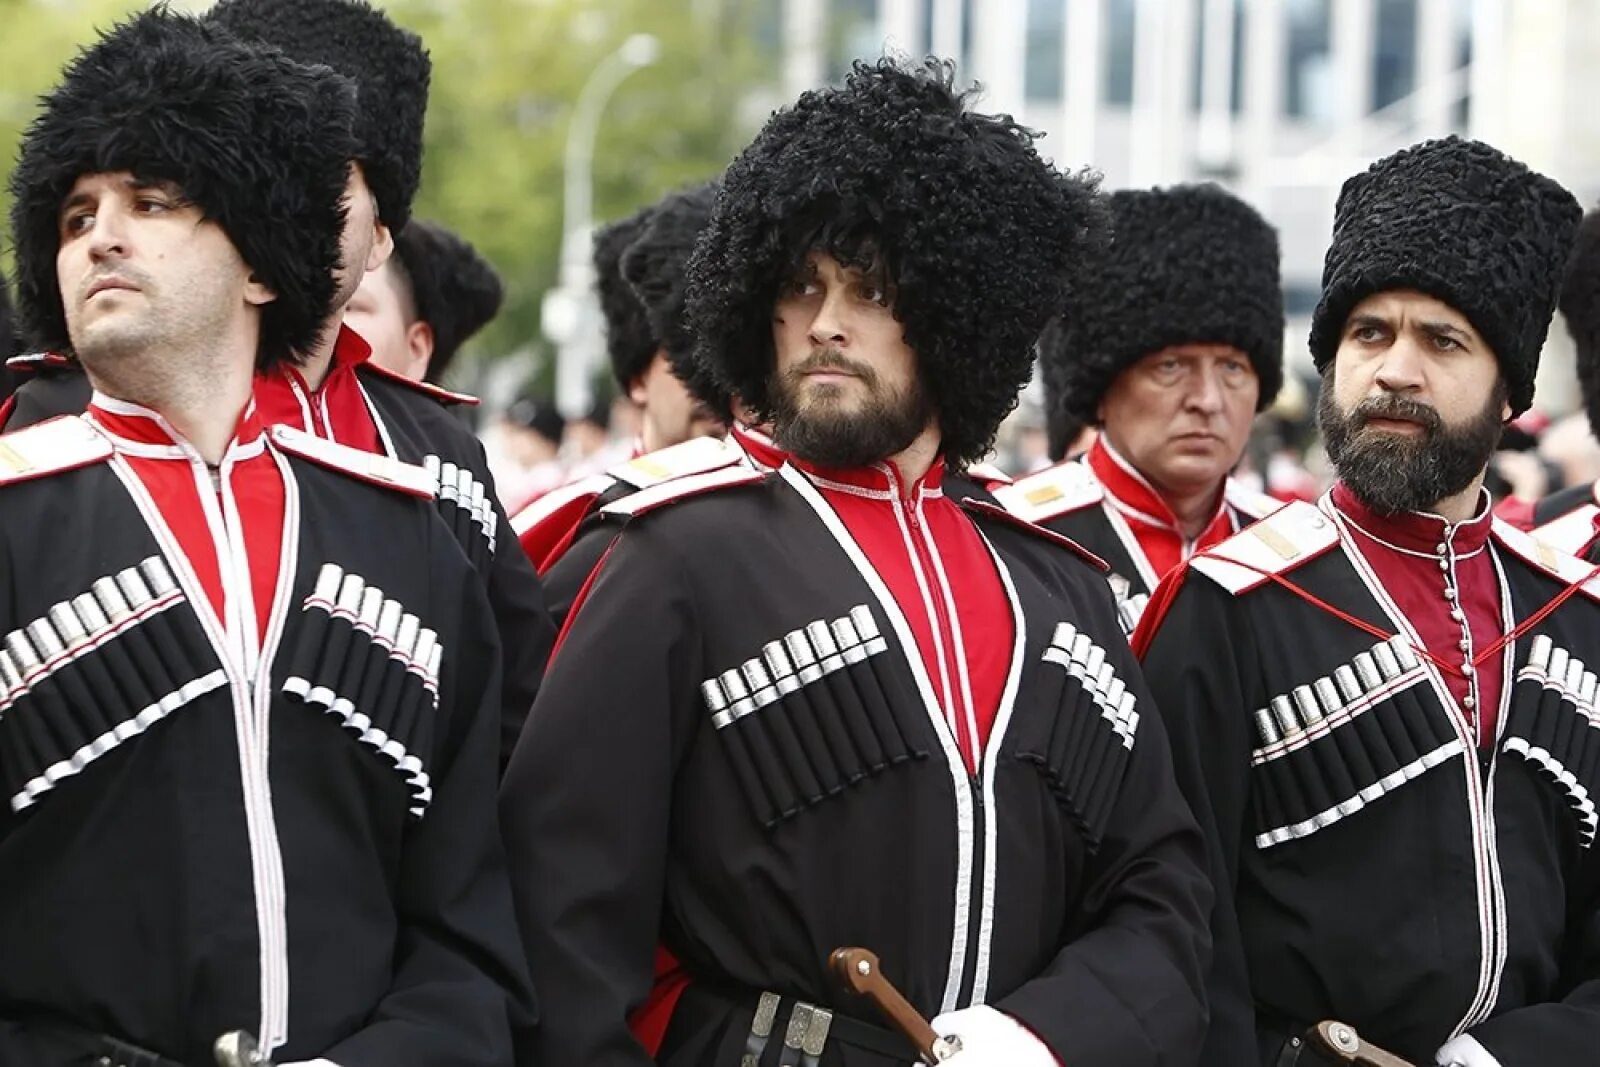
<point>365,244</point>
<point>1413,405</point>
<point>845,389</point>
<point>139,267</point>
<point>669,415</point>
<point>1182,415</point>
<point>383,312</point>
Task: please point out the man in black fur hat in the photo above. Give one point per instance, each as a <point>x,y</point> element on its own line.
<point>828,705</point>
<point>1569,520</point>
<point>248,753</point>
<point>639,266</point>
<point>336,392</point>
<point>1173,345</point>
<point>425,302</point>
<point>1381,704</point>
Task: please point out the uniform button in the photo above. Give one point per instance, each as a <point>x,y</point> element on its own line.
<point>1464,644</point>
<point>1444,564</point>
<point>1442,549</point>
<point>1467,668</point>
<point>1449,592</point>
<point>1469,703</point>
<point>1455,613</point>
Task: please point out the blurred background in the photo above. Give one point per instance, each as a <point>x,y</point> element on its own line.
<point>549,117</point>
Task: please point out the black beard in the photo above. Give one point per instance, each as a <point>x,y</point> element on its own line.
<point>822,433</point>
<point>1392,474</point>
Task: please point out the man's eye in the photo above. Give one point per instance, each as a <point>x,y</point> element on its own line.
<point>76,223</point>
<point>1368,334</point>
<point>1444,343</point>
<point>151,205</point>
<point>875,294</point>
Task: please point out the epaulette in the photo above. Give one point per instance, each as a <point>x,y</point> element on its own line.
<point>695,456</point>
<point>34,362</point>
<point>1054,491</point>
<point>367,466</point>
<point>54,446</point>
<point>1541,555</point>
<point>560,499</point>
<point>988,510</point>
<point>657,496</point>
<point>1295,534</point>
<point>427,389</point>
<point>1248,502</point>
<point>1575,531</point>
<point>988,475</point>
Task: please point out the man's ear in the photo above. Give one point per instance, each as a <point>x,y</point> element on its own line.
<point>382,246</point>
<point>257,292</point>
<point>419,347</point>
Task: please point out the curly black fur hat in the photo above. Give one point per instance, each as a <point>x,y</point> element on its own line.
<point>653,266</point>
<point>630,342</point>
<point>454,289</point>
<point>261,144</point>
<point>1580,306</point>
<point>1466,224</point>
<point>389,65</point>
<point>1192,263</point>
<point>10,338</point>
<point>982,239</point>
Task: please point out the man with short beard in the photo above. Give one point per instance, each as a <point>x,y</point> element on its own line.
<point>828,705</point>
<point>1380,705</point>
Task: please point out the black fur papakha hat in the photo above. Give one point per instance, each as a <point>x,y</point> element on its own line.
<point>10,336</point>
<point>1189,264</point>
<point>630,343</point>
<point>981,239</point>
<point>653,265</point>
<point>259,143</point>
<point>389,65</point>
<point>1465,224</point>
<point>453,288</point>
<point>1580,306</point>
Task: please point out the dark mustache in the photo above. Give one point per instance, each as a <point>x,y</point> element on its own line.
<point>831,359</point>
<point>1397,407</point>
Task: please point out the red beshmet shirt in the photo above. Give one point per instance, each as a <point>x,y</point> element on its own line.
<point>336,410</point>
<point>1442,579</point>
<point>1154,525</point>
<point>227,521</point>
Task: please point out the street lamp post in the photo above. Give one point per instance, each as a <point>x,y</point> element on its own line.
<point>570,314</point>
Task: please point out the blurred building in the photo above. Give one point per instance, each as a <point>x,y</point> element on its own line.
<point>1280,100</point>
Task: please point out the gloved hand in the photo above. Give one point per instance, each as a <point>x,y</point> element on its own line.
<point>1465,1051</point>
<point>991,1038</point>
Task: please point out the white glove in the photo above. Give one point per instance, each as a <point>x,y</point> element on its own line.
<point>991,1038</point>
<point>1465,1051</point>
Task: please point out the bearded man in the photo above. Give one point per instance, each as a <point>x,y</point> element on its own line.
<point>829,705</point>
<point>1381,705</point>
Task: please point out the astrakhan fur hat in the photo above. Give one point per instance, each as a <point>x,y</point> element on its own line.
<point>261,144</point>
<point>630,343</point>
<point>981,238</point>
<point>454,289</point>
<point>389,65</point>
<point>1189,264</point>
<point>653,265</point>
<point>1580,306</point>
<point>1465,224</point>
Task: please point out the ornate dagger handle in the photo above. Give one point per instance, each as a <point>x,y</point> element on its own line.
<point>1341,1041</point>
<point>239,1049</point>
<point>858,971</point>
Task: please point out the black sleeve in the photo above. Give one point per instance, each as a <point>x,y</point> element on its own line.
<point>1128,990</point>
<point>566,577</point>
<point>1195,663</point>
<point>460,979</point>
<point>46,396</point>
<point>586,803</point>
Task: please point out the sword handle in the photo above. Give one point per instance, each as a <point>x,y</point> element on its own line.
<point>857,969</point>
<point>1341,1041</point>
<point>236,1048</point>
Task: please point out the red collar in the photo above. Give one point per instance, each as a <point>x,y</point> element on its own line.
<point>130,424</point>
<point>1134,495</point>
<point>877,480</point>
<point>762,450</point>
<point>1415,531</point>
<point>350,350</point>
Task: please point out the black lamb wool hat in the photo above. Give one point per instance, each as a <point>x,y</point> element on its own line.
<point>259,143</point>
<point>653,266</point>
<point>1580,306</point>
<point>389,65</point>
<point>1465,224</point>
<point>630,342</point>
<point>1188,264</point>
<point>982,239</point>
<point>10,339</point>
<point>454,289</point>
